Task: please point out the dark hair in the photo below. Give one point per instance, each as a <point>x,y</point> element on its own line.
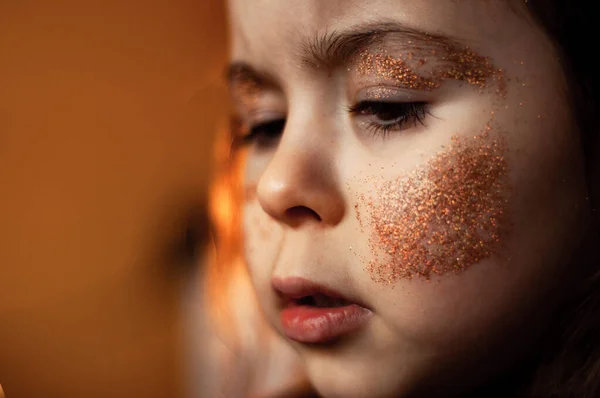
<point>569,365</point>
<point>570,25</point>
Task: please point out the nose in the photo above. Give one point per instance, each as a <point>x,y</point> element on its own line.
<point>299,187</point>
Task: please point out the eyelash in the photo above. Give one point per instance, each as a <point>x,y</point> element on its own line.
<point>266,134</point>
<point>404,114</point>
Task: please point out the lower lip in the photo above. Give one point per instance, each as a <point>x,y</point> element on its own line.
<point>309,324</point>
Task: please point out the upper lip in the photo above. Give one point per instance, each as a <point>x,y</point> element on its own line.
<point>290,289</point>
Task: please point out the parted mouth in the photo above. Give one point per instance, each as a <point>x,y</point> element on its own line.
<point>294,291</point>
<point>315,314</point>
<point>321,301</point>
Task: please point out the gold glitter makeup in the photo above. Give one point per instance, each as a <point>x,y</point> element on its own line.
<point>450,213</point>
<point>451,63</point>
<point>443,217</point>
<point>358,214</point>
<point>380,93</point>
<point>394,69</point>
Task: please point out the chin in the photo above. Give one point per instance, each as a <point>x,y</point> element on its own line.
<point>335,375</point>
<point>336,378</point>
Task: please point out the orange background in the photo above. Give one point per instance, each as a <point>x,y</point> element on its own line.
<point>107,110</point>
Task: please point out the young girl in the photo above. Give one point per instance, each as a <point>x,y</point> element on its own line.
<point>416,184</point>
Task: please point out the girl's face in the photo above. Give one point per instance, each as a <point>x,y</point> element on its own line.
<point>418,160</point>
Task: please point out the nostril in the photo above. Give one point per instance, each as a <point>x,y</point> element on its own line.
<point>299,213</point>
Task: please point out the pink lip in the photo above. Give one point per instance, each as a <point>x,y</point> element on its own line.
<point>311,324</point>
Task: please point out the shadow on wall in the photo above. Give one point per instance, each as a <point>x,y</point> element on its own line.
<point>107,111</point>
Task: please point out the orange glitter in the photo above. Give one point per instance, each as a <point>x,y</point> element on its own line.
<point>395,69</point>
<point>461,64</point>
<point>442,217</point>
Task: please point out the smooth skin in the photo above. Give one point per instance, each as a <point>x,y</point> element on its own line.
<point>457,331</point>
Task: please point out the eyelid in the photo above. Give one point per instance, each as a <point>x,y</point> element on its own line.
<point>384,93</point>
<point>256,118</point>
<point>260,115</point>
<point>245,103</point>
<point>265,109</point>
<point>407,112</point>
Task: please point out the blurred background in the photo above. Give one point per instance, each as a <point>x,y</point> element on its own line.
<point>107,115</point>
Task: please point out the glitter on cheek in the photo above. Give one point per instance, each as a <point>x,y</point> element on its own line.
<point>358,213</point>
<point>443,217</point>
<point>451,213</point>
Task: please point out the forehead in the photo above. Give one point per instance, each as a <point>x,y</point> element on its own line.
<point>272,28</point>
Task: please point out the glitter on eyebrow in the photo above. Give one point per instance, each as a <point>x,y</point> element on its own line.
<point>396,70</point>
<point>461,64</point>
<point>443,217</point>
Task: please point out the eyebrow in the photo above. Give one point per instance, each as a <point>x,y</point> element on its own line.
<point>335,48</point>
